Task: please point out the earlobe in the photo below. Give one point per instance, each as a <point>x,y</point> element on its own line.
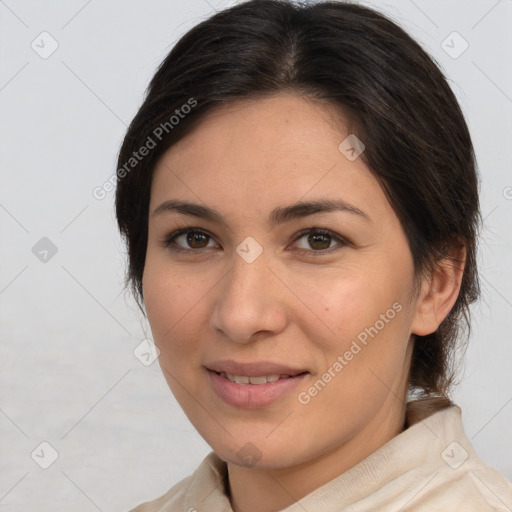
<point>439,293</point>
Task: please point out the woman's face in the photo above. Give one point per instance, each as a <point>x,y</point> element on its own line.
<point>262,287</point>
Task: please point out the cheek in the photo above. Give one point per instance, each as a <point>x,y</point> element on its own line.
<point>359,312</point>
<point>341,300</point>
<point>171,302</point>
<point>173,314</point>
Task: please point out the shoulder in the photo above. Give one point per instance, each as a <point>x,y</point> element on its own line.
<point>205,486</point>
<point>168,502</point>
<point>453,476</point>
<point>475,487</point>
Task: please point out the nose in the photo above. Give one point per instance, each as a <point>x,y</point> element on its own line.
<point>249,302</point>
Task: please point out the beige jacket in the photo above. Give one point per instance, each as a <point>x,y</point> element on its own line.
<point>429,467</point>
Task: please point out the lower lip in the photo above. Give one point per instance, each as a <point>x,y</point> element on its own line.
<point>252,396</point>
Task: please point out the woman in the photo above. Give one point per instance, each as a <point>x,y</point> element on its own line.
<point>299,199</point>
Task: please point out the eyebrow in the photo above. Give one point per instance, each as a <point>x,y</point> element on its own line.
<point>278,215</point>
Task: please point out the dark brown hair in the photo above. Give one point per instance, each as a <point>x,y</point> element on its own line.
<point>417,142</point>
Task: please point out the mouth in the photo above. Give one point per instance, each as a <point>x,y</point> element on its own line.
<point>254,386</point>
<point>267,369</point>
<point>257,380</point>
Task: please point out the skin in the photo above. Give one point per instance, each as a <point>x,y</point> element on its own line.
<point>296,304</point>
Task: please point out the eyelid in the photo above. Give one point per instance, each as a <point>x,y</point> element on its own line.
<point>169,239</point>
<point>342,241</point>
<point>322,231</point>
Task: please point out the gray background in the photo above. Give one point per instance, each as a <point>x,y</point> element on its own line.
<point>68,373</point>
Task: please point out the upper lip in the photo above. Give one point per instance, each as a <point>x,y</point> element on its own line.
<point>253,369</point>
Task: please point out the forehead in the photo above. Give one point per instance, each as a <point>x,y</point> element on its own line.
<point>259,153</point>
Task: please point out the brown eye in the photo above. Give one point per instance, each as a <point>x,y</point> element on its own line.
<point>191,240</point>
<point>316,242</point>
<point>319,241</point>
<point>197,240</point>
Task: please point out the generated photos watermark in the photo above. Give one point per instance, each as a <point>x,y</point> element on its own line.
<point>100,192</point>
<point>356,346</point>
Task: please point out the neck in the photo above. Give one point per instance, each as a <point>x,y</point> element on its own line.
<point>268,490</point>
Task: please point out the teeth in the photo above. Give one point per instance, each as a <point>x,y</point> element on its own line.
<point>243,379</point>
<point>258,380</point>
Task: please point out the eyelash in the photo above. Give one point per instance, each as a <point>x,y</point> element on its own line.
<point>169,241</point>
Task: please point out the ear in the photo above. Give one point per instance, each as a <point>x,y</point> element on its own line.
<point>439,292</point>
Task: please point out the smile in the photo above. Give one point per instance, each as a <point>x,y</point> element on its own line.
<point>253,391</point>
<point>244,379</point>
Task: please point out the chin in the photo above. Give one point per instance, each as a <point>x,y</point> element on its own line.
<point>261,455</point>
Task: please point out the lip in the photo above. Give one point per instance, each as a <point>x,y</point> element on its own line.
<point>253,369</point>
<point>252,396</point>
